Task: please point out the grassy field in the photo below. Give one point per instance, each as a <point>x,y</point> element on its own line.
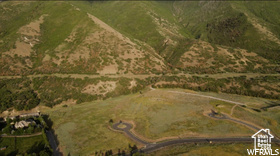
<point>22,145</point>
<point>83,129</point>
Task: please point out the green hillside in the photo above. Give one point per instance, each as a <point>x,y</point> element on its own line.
<point>160,65</point>
<point>147,40</point>
<point>222,23</point>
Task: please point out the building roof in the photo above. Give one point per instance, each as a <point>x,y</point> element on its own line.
<point>22,124</point>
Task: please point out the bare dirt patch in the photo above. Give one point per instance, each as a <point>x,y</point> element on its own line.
<point>15,112</point>
<point>68,102</point>
<point>224,51</point>
<point>131,54</point>
<point>33,28</point>
<point>101,88</point>
<point>133,83</point>
<point>193,56</point>
<point>22,49</point>
<point>29,37</point>
<point>111,69</point>
<point>264,30</point>
<point>46,58</point>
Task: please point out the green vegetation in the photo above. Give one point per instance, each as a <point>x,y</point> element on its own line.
<point>25,94</point>
<point>20,146</point>
<point>72,89</point>
<point>220,22</point>
<point>169,29</point>
<point>36,125</point>
<point>14,95</point>
<point>224,23</point>
<point>212,47</point>
<point>13,19</point>
<point>234,85</point>
<point>30,139</point>
<point>122,17</point>
<point>221,106</point>
<point>269,118</point>
<point>156,114</point>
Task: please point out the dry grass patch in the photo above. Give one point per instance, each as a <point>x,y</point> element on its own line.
<point>101,88</point>
<point>133,83</point>
<point>110,69</point>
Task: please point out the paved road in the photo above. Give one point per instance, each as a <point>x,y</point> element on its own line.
<point>225,117</point>
<point>126,130</point>
<point>150,147</point>
<point>53,143</point>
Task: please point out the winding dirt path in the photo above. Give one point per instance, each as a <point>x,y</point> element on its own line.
<point>210,97</point>
<point>232,109</point>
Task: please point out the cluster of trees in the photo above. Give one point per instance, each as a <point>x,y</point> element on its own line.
<point>20,100</point>
<point>106,153</point>
<point>54,90</point>
<point>19,94</point>
<point>6,99</point>
<point>222,64</point>
<point>132,150</point>
<point>236,85</point>
<point>26,100</point>
<point>24,94</point>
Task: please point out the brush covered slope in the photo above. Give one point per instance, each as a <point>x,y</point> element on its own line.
<point>99,49</point>
<point>139,37</point>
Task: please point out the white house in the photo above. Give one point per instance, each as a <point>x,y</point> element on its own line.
<point>23,123</point>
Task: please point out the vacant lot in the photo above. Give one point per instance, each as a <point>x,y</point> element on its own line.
<point>83,128</point>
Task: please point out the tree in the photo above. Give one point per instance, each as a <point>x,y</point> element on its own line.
<point>7,129</point>
<point>30,129</point>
